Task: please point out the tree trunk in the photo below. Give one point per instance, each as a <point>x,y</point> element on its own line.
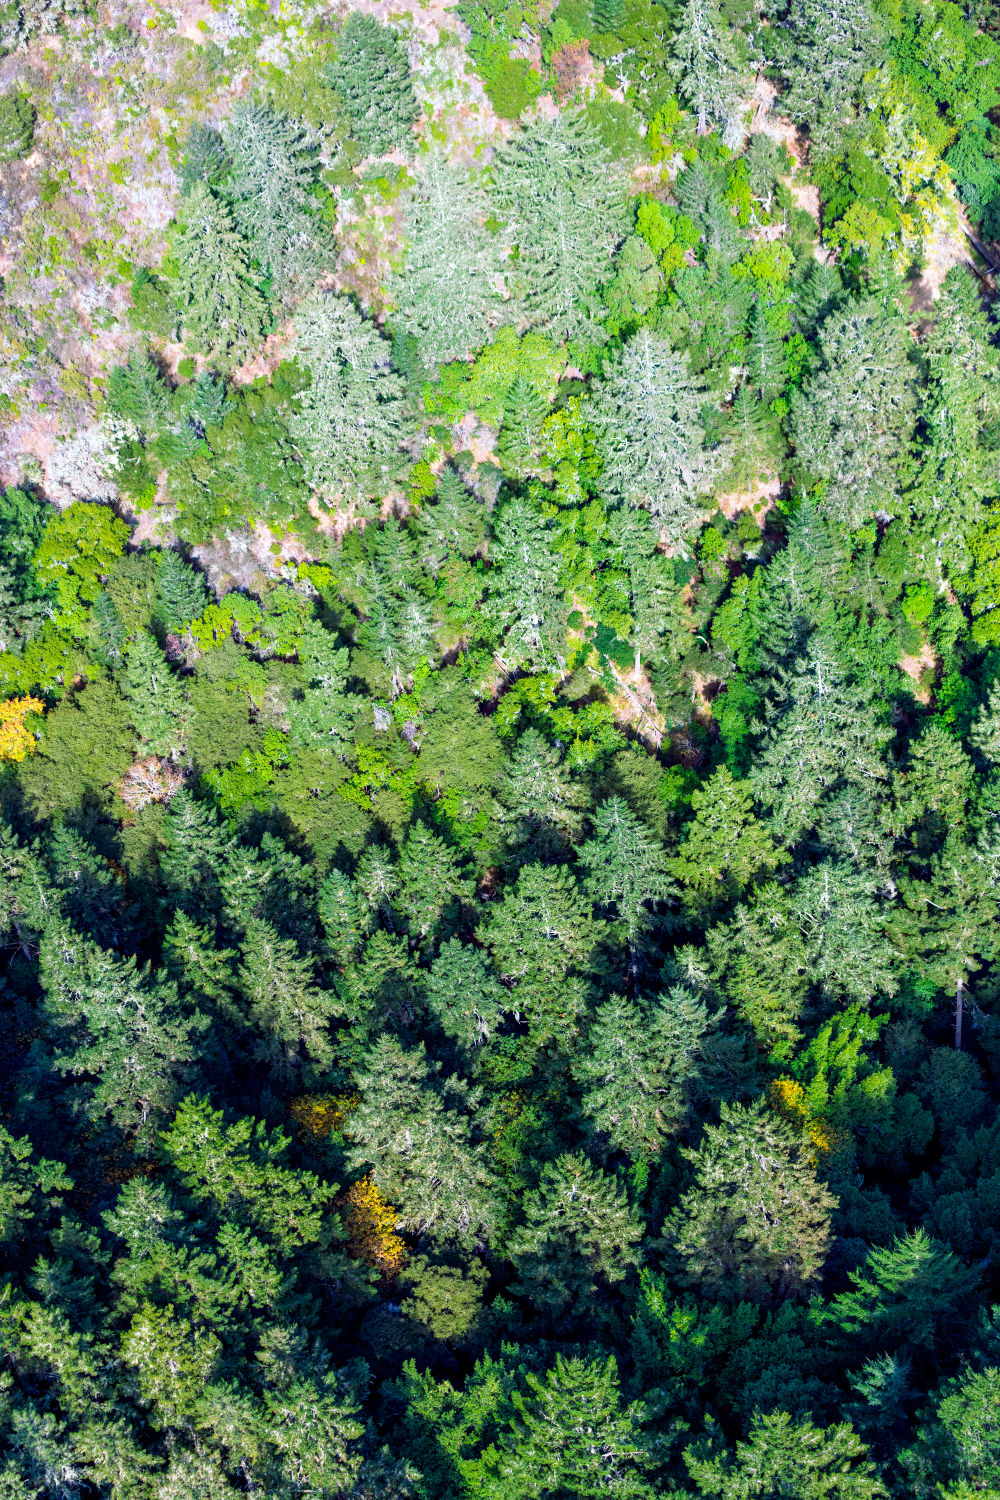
<point>638,663</point>
<point>959,999</point>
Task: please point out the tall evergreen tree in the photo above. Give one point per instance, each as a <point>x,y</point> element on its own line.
<point>540,800</point>
<point>579,1232</point>
<point>756,1222</point>
<point>464,995</point>
<point>155,697</point>
<point>447,291</point>
<point>524,600</point>
<point>414,1133</point>
<point>627,870</point>
<point>216,294</point>
<point>273,169</point>
<point>371,75</point>
<point>286,1007</point>
<point>563,204</point>
<point>350,420</point>
<point>705,64</point>
<point>647,417</point>
<point>779,1457</point>
<point>824,52</point>
<point>853,420</point>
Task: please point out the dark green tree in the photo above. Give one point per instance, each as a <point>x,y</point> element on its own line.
<point>372,78</point>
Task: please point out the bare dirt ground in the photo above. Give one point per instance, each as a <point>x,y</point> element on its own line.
<point>916,666</point>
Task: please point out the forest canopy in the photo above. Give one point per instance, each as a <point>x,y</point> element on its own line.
<point>499,750</point>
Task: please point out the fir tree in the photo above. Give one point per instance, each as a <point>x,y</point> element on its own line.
<point>273,169</point>
<point>17,126</point>
<point>564,208</point>
<point>579,1232</point>
<point>777,1457</point>
<point>647,416</point>
<point>852,421</point>
<point>350,422</point>
<point>464,995</point>
<point>156,704</point>
<point>181,593</point>
<point>705,65</point>
<point>570,1435</point>
<point>524,600</point>
<point>627,869</point>
<point>372,78</point>
<point>204,158</point>
<point>914,1294</point>
<point>340,916</point>
<point>540,801</point>
<point>288,1010</point>
<point>138,392</point>
<point>216,295</point>
<point>447,291</point>
<point>451,522</point>
<point>755,1223</point>
<point>520,438</point>
<point>432,882</point>
<point>725,846</point>
<point>825,51</point>
<point>635,1067</point>
<point>415,1135</point>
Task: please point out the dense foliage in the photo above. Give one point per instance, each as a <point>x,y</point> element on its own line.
<point>500,760</point>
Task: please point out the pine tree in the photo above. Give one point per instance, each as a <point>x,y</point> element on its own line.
<point>755,1224</point>
<point>286,1008</point>
<point>447,291</point>
<point>181,593</point>
<point>17,126</point>
<point>464,995</point>
<point>627,870</point>
<point>204,158</point>
<point>524,600</point>
<point>635,1066</point>
<point>570,1435</point>
<point>564,208</point>
<point>984,732</point>
<point>351,419</point>
<point>646,413</point>
<point>704,63</point>
<point>579,1232</point>
<point>958,466</point>
<point>433,884</point>
<point>414,1133</point>
<point>372,78</point>
<point>754,440</point>
<point>824,53</point>
<point>340,915</point>
<point>273,171</point>
<point>156,704</point>
<point>451,522</point>
<point>138,392</point>
<point>779,1458</point>
<point>220,307</point>
<point>853,419</point>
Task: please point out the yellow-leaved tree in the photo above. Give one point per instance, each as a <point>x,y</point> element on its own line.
<point>16,739</point>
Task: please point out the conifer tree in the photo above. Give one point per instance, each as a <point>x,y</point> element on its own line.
<point>824,52</point>
<point>138,392</point>
<point>914,1294</point>
<point>372,78</point>
<point>432,882</point>
<point>627,870</point>
<point>570,1435</point>
<point>755,1224</point>
<point>17,125</point>
<point>204,158</point>
<point>520,438</point>
<point>705,65</point>
<point>779,1457</point>
<point>540,800</point>
<point>464,995</point>
<point>524,600</point>
<point>635,1067</point>
<point>579,1232</point>
<point>451,522</point>
<point>273,169</point>
<point>415,1135</point>
<point>181,593</point>
<point>562,202</point>
<point>447,290</point>
<point>195,852</point>
<point>217,299</point>
<point>542,936</point>
<point>647,416</point>
<point>826,729</point>
<point>853,419</point>
<point>634,544</point>
<point>725,846</point>
<point>340,916</point>
<point>287,1009</point>
<point>156,705</point>
<point>350,420</point>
